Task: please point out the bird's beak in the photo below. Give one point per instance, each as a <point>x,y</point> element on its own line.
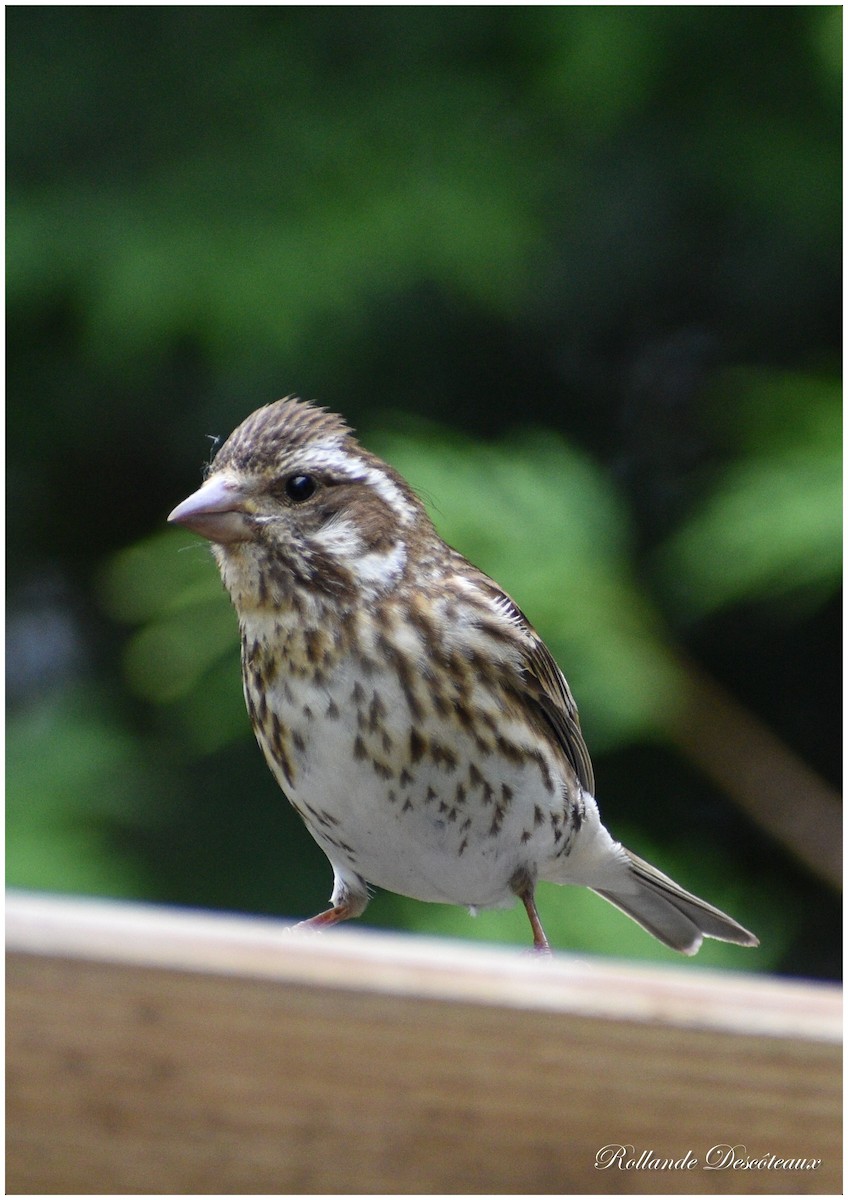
<point>219,510</point>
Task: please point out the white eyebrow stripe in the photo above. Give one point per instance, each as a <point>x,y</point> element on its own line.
<point>352,467</point>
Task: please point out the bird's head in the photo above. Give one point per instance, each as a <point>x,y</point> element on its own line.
<point>291,500</point>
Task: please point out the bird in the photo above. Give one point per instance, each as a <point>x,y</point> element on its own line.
<point>405,705</point>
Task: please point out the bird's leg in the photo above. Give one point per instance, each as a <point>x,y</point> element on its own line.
<point>330,916</point>
<point>346,904</point>
<point>524,888</point>
<point>540,942</point>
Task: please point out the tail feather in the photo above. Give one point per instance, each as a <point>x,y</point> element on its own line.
<point>674,916</point>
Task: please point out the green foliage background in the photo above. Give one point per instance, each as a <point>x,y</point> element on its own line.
<point>574,270</point>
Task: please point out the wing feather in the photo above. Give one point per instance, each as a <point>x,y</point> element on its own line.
<point>548,689</point>
<point>544,686</point>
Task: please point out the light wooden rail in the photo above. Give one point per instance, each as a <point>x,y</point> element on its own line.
<point>153,1050</point>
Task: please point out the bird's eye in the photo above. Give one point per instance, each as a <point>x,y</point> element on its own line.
<point>300,487</point>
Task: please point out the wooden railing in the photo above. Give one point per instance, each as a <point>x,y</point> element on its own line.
<point>154,1050</point>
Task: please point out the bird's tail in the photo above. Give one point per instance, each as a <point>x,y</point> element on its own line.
<point>674,916</point>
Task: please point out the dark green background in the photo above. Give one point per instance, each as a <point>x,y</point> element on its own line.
<point>575,270</point>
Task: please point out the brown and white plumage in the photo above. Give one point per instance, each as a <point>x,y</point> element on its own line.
<point>412,715</point>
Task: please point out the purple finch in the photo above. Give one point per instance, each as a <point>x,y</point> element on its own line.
<point>404,703</point>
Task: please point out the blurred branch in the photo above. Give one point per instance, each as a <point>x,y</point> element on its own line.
<point>773,786</point>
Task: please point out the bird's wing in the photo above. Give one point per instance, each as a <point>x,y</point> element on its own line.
<point>548,689</point>
<point>544,686</point>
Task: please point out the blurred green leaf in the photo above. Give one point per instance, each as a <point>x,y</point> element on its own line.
<point>361,217</point>
<point>184,652</point>
<point>157,576</point>
<point>600,62</point>
<point>168,658</point>
<point>772,524</point>
<point>75,782</point>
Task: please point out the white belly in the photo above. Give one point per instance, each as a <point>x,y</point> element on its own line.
<point>415,808</point>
